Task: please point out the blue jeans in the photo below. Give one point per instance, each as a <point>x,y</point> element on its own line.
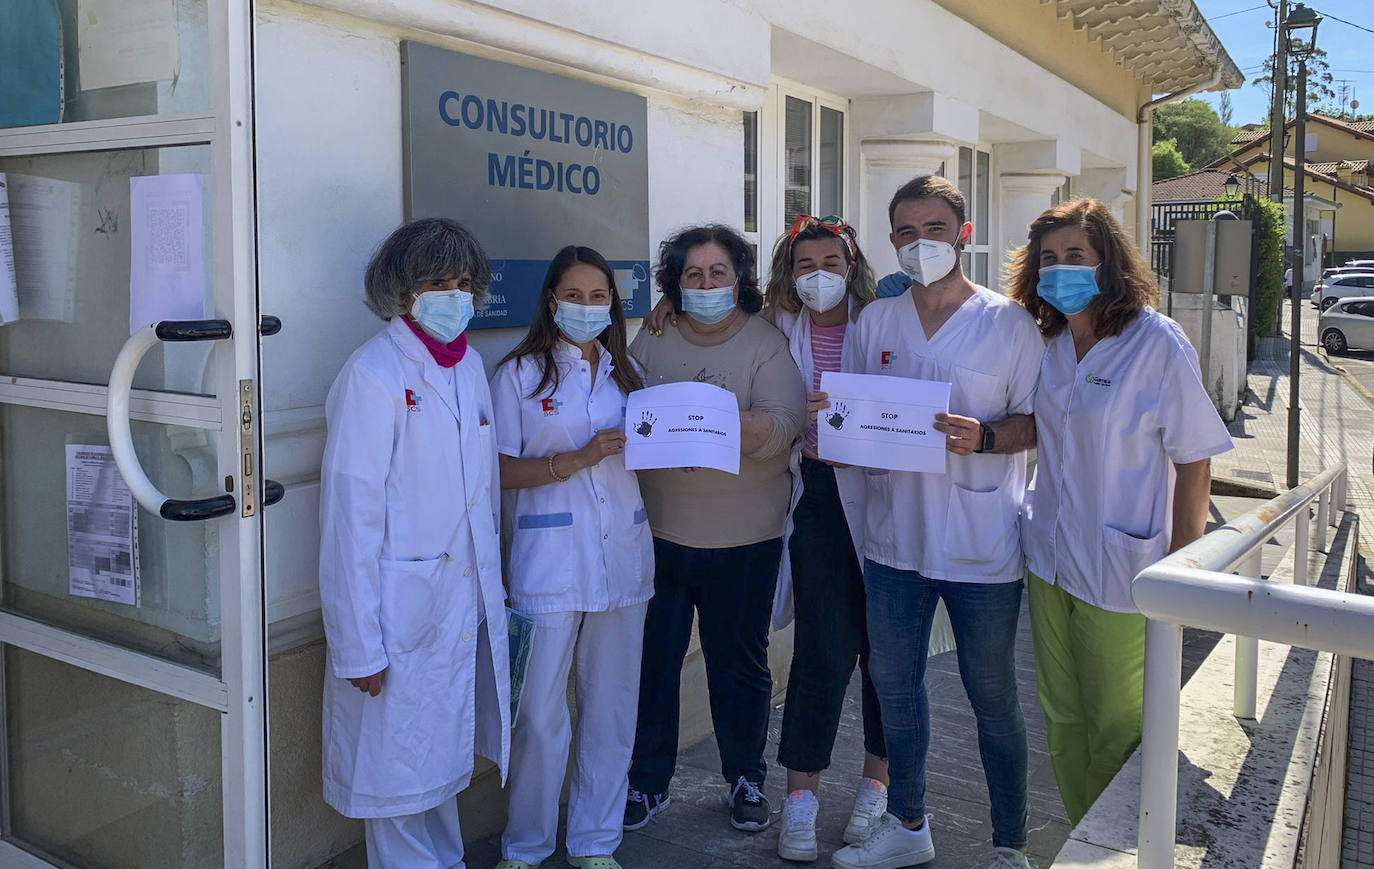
<point>901,607</point>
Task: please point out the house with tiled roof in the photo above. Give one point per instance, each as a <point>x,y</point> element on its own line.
<point>1338,155</point>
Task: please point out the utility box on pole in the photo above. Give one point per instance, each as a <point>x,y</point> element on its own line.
<point>1213,258</point>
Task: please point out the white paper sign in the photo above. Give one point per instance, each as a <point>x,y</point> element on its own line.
<point>878,421</point>
<point>9,293</point>
<point>121,42</point>
<point>682,425</point>
<point>102,528</point>
<point>45,230</point>
<point>167,249</point>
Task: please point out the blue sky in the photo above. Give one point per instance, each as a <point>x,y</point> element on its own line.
<point>1240,24</point>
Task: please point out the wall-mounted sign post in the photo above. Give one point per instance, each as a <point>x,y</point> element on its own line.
<point>528,161</point>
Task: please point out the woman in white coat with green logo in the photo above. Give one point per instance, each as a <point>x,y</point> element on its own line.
<point>410,563</point>
<point>581,562</point>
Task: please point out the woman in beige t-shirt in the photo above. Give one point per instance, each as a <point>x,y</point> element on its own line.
<point>717,536</point>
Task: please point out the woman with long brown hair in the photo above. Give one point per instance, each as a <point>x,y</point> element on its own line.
<point>581,560</point>
<point>1126,432</point>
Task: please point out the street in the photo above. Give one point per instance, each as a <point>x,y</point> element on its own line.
<point>1356,365</point>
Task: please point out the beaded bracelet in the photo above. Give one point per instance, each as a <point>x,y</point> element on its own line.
<point>553,472</point>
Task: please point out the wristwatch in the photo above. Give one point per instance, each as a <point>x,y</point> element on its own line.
<point>989,439</point>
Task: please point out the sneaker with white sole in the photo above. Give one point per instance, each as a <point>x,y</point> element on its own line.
<point>1008,858</point>
<point>749,810</point>
<point>797,841</point>
<point>890,845</point>
<point>869,804</point>
<point>640,808</point>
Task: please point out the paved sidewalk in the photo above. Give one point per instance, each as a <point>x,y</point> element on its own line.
<point>1337,425</point>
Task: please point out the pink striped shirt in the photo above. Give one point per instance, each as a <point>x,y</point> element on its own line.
<point>827,343</point>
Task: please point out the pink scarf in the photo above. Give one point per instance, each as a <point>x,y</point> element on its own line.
<point>447,355</point>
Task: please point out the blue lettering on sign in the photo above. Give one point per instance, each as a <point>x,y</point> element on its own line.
<point>535,173</point>
<point>521,120</point>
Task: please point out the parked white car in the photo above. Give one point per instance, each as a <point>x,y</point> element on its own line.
<point>1343,270</point>
<point>1326,292</point>
<point>1360,263</point>
<point>1348,325</point>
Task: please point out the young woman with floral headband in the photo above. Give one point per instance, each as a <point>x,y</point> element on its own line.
<point>818,283</point>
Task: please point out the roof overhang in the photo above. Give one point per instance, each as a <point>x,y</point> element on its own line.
<point>1167,43</point>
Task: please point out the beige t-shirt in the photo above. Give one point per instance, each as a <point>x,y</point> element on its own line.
<point>709,509</point>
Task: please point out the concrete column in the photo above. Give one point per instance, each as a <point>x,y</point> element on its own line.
<point>1024,198</point>
<point>885,165</point>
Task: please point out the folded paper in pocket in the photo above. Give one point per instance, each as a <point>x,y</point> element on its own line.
<point>521,634</point>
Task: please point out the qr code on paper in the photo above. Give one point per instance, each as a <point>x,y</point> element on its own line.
<point>167,243</point>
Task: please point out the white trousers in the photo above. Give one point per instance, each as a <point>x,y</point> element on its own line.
<point>424,840</point>
<point>606,646</point>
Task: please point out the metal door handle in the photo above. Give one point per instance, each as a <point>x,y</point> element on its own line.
<point>272,492</point>
<point>117,419</point>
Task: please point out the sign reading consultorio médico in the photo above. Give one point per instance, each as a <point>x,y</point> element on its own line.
<point>530,162</point>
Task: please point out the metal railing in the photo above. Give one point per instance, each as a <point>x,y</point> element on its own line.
<point>1194,587</point>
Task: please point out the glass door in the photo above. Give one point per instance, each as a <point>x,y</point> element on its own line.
<point>132,675</point>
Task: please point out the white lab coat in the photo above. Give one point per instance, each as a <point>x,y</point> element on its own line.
<point>850,481</point>
<point>960,526</point>
<point>582,545</point>
<point>1110,429</point>
<point>409,566</point>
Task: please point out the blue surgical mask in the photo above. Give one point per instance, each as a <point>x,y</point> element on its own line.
<point>581,323</point>
<point>709,306</point>
<point>443,314</point>
<point>1068,289</point>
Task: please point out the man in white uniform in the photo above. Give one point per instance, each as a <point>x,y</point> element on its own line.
<point>951,536</point>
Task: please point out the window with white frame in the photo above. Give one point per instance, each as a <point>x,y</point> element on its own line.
<point>794,161</point>
<point>975,182</point>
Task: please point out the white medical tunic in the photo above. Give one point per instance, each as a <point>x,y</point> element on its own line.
<point>583,545</point>
<point>410,567</point>
<point>961,525</point>
<point>1110,429</point>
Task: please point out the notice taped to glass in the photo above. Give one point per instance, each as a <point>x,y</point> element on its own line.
<point>102,528</point>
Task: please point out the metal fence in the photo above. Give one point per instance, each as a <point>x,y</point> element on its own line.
<point>1166,214</point>
<point>1194,587</point>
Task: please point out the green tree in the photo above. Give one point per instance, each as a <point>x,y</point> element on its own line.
<point>1320,83</point>
<point>1198,133</point>
<point>1168,162</point>
<point>1224,109</point>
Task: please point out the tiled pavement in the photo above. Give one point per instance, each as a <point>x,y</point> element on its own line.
<point>1337,425</point>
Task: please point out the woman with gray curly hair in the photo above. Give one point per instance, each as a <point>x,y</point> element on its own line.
<point>410,564</point>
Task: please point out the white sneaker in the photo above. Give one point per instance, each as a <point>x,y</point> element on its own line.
<point>889,846</point>
<point>869,805</point>
<point>797,841</point>
<point>1008,858</point>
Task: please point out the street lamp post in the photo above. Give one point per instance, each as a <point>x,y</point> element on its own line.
<point>1300,36</point>
<point>1232,186</point>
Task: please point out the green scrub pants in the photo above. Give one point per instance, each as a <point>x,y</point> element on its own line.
<point>1089,668</point>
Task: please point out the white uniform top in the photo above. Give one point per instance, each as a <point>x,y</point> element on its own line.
<point>849,481</point>
<point>583,545</point>
<point>1109,429</point>
<point>960,525</point>
<point>409,562</point>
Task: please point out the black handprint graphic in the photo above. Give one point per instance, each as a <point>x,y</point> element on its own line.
<point>646,424</point>
<point>838,414</point>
